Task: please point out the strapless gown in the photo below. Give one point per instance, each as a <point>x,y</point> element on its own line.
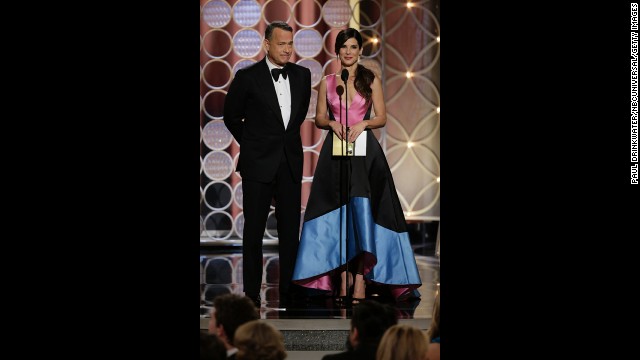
<point>374,230</point>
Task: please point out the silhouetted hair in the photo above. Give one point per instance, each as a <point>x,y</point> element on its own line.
<point>211,347</point>
<point>233,310</point>
<point>276,24</point>
<point>372,319</point>
<point>434,328</point>
<point>364,76</point>
<point>259,340</point>
<point>402,342</point>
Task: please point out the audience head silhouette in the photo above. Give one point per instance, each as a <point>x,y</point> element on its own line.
<point>229,312</point>
<point>370,320</point>
<point>259,340</point>
<point>402,342</point>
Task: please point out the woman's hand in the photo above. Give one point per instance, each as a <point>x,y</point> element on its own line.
<point>338,129</point>
<point>356,130</point>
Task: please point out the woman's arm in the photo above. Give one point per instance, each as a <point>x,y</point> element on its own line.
<point>322,119</point>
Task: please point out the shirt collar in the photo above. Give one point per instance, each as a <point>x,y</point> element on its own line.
<point>272,65</point>
<point>232,351</point>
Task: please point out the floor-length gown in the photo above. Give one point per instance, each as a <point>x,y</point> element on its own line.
<point>372,223</point>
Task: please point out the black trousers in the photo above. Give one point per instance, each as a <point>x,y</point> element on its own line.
<point>257,198</point>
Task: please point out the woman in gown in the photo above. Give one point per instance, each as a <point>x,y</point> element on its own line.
<point>370,231</point>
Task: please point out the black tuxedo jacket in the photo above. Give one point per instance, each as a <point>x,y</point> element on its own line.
<point>262,137</point>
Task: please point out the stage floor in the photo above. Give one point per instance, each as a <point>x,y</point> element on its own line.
<point>221,273</point>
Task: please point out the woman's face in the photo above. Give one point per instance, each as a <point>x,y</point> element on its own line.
<point>349,52</point>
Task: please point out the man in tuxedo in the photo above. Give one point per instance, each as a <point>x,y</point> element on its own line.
<point>264,108</point>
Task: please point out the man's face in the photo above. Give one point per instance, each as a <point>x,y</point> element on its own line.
<point>280,47</point>
<point>353,338</point>
<point>213,326</point>
<point>216,329</point>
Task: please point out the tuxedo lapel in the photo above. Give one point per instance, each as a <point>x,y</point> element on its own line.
<point>265,81</point>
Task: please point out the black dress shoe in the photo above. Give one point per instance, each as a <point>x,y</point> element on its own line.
<point>256,300</point>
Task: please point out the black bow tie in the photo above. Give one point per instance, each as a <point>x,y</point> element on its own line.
<point>275,72</point>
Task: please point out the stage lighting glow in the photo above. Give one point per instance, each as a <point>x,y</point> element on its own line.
<point>409,5</point>
<point>438,39</point>
<point>438,110</point>
<point>410,144</point>
<point>438,179</point>
<point>374,40</point>
<point>409,74</point>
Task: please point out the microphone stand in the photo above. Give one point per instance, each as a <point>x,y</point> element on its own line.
<point>344,75</point>
<point>340,90</point>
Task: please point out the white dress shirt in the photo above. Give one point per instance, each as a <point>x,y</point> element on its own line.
<point>283,92</point>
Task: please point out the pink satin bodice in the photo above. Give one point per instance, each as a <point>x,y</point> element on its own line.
<point>357,108</point>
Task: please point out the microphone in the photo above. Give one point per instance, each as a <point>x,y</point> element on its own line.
<point>344,75</point>
<point>339,90</point>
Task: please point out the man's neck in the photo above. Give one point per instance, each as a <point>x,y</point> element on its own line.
<point>274,64</point>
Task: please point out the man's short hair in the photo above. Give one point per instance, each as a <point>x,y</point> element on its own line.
<point>372,319</point>
<point>233,310</point>
<point>276,24</point>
